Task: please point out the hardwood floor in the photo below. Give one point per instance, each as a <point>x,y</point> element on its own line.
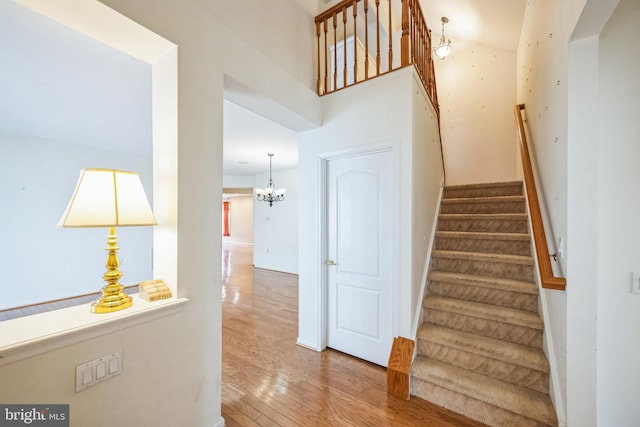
<point>268,380</point>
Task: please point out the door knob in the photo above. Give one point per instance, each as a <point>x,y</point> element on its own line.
<point>331,262</point>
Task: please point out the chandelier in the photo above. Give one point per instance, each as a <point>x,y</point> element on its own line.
<point>270,194</point>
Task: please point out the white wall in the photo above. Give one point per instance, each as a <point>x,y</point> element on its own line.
<point>426,183</point>
<point>570,67</point>
<point>174,378</point>
<point>38,178</point>
<point>543,87</point>
<point>477,93</point>
<point>582,232</point>
<point>240,221</point>
<point>383,110</point>
<point>275,242</point>
<point>618,204</point>
<point>282,30</point>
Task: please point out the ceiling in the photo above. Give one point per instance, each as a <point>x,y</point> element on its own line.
<point>249,137</point>
<point>57,84</point>
<point>495,23</point>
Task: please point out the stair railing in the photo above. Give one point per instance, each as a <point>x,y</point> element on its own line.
<point>358,40</point>
<point>548,279</point>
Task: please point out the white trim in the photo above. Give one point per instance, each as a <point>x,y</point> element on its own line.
<point>30,336</point>
<point>555,392</point>
<point>247,245</point>
<point>322,238</point>
<point>220,423</point>
<point>306,344</point>
<point>425,272</point>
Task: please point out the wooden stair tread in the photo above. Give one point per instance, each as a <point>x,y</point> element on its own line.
<point>485,282</point>
<point>485,311</point>
<point>521,401</point>
<point>515,354</point>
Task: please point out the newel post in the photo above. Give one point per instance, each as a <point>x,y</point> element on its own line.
<point>404,41</point>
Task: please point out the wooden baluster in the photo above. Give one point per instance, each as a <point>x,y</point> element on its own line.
<point>326,58</point>
<point>377,37</point>
<point>412,11</point>
<point>429,66</point>
<point>423,53</point>
<point>417,51</point>
<point>404,41</point>
<point>355,44</point>
<point>390,35</point>
<point>318,84</point>
<point>418,47</point>
<point>366,39</point>
<point>335,51</point>
<point>432,77</point>
<point>344,45</point>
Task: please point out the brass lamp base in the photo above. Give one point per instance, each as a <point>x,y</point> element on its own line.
<point>113,296</point>
<point>108,304</point>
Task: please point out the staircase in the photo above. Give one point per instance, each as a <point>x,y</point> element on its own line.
<point>480,344</point>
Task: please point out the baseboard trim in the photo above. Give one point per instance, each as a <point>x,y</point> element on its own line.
<point>219,423</point>
<point>306,344</point>
<point>425,271</point>
<point>244,245</point>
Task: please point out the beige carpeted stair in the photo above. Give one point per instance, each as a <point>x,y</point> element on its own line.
<point>480,344</point>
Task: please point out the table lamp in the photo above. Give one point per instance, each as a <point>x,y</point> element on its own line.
<point>109,198</point>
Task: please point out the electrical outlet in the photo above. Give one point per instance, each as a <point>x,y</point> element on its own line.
<point>635,283</point>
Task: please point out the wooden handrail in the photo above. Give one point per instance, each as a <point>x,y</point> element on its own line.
<point>549,281</point>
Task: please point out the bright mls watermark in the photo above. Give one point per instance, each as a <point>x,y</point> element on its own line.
<point>34,415</point>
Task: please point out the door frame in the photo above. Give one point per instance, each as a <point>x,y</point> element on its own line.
<point>323,160</point>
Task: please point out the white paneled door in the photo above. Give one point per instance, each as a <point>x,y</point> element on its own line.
<point>359,258</point>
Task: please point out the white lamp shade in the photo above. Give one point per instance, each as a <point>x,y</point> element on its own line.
<point>108,198</point>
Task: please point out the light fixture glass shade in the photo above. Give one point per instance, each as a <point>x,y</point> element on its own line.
<point>108,198</point>
<point>442,50</point>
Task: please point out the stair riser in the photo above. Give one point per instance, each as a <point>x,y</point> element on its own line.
<point>484,225</point>
<point>459,193</point>
<point>484,268</point>
<point>511,247</point>
<point>472,408</point>
<point>509,299</point>
<point>488,328</point>
<point>503,371</point>
<point>482,208</point>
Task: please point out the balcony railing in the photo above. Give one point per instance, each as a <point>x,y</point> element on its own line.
<point>358,40</point>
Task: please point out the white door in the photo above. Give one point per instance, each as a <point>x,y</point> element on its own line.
<point>359,258</point>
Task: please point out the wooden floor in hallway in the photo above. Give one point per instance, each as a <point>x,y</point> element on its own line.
<point>268,380</point>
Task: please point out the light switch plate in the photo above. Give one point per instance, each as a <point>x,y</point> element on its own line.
<point>98,370</point>
<point>635,283</point>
